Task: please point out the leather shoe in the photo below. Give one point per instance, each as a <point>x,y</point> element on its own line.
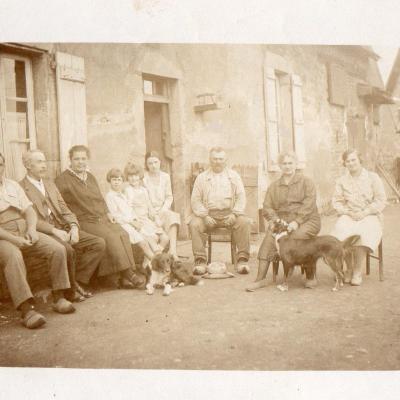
<point>32,319</point>
<point>126,284</point>
<point>63,306</point>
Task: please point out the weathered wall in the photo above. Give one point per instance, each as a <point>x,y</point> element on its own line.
<point>234,73</point>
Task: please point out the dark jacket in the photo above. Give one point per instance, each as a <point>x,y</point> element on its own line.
<point>295,201</point>
<point>63,216</point>
<point>83,198</point>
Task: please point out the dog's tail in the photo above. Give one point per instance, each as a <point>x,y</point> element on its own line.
<point>350,241</point>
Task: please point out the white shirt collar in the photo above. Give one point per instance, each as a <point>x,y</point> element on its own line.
<point>38,184</point>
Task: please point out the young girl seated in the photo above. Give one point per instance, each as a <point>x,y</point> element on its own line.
<point>139,200</point>
<point>124,215</point>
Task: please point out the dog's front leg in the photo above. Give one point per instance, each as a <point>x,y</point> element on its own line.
<point>167,289</point>
<point>284,287</point>
<point>337,283</point>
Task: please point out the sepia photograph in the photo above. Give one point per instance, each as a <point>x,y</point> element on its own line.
<point>199,205</point>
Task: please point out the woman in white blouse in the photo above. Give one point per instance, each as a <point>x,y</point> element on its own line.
<point>359,199</point>
<point>158,185</point>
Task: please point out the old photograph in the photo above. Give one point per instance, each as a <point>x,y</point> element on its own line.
<point>142,190</point>
<point>199,206</point>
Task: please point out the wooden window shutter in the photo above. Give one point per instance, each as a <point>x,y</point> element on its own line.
<point>337,85</point>
<point>298,121</point>
<point>71,96</point>
<point>272,118</point>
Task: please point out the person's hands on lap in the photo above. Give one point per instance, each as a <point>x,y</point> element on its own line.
<point>32,235</point>
<point>229,220</point>
<point>21,242</point>
<point>74,234</point>
<point>210,221</point>
<point>359,215</point>
<point>62,235</point>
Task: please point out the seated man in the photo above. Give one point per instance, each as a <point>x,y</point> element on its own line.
<point>218,200</point>
<point>84,251</point>
<point>18,238</point>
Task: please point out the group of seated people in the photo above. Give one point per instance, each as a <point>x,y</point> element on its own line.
<point>80,233</point>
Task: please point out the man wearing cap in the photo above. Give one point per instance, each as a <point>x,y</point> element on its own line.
<point>218,200</point>
<point>18,239</point>
<point>84,251</point>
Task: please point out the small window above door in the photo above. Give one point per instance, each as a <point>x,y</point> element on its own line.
<point>155,89</point>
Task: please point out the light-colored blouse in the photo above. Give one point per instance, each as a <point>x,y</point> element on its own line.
<point>139,201</point>
<point>160,193</point>
<point>119,207</point>
<point>358,193</point>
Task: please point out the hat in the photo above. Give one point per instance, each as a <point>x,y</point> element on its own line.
<point>217,270</point>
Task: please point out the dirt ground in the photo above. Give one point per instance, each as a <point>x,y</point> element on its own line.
<point>220,326</point>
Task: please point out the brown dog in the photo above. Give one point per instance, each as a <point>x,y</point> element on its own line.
<point>306,252</point>
<point>182,274</point>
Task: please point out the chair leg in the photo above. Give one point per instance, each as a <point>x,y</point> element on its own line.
<point>368,264</point>
<point>233,251</point>
<point>380,255</point>
<point>209,248</point>
<point>275,269</point>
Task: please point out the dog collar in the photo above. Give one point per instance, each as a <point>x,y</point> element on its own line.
<point>281,235</point>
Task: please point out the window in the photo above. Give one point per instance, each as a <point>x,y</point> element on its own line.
<point>154,86</point>
<point>284,116</point>
<point>17,133</point>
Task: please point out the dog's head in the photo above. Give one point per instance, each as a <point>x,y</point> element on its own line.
<point>162,263</point>
<point>279,226</point>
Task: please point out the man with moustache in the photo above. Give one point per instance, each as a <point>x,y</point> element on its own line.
<point>84,251</point>
<point>218,200</point>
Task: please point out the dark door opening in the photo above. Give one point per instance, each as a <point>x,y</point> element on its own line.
<point>158,133</point>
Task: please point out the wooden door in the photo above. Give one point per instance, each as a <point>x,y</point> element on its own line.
<point>158,133</point>
<point>71,99</point>
<point>17,123</point>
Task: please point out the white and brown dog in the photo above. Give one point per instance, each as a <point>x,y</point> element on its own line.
<point>160,276</point>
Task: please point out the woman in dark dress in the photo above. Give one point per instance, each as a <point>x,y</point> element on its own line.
<point>292,198</point>
<point>81,192</point>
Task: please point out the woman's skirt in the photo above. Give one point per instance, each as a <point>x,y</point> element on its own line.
<point>369,229</point>
<point>169,218</point>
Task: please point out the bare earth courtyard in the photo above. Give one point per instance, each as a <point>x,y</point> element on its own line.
<point>220,326</point>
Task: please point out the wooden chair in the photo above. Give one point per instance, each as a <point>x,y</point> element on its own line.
<point>378,257</point>
<point>221,235</point>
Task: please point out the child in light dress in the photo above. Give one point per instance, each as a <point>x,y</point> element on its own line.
<point>138,199</point>
<point>124,214</point>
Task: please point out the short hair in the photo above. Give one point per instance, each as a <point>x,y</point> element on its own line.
<point>217,149</point>
<point>346,154</point>
<point>4,159</point>
<point>26,157</point>
<point>150,154</point>
<point>133,169</point>
<point>287,154</point>
<point>114,173</point>
<point>76,148</point>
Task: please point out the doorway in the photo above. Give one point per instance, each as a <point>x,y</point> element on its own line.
<point>156,119</point>
<point>157,132</point>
